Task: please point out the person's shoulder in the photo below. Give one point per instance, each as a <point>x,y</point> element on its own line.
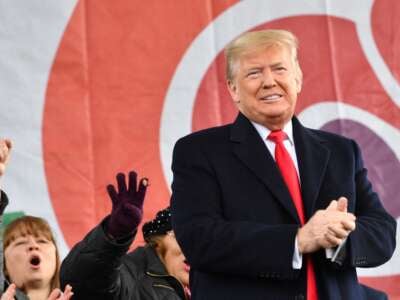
<point>212,132</point>
<point>336,143</point>
<point>208,135</point>
<point>330,137</point>
<point>137,254</point>
<point>136,261</point>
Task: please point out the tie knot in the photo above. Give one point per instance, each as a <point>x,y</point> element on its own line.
<point>277,136</point>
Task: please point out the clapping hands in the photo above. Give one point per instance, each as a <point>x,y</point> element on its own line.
<point>327,228</point>
<point>56,294</point>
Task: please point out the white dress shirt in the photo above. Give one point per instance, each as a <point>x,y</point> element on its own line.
<point>264,132</point>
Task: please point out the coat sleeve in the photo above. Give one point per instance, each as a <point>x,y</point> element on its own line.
<point>374,239</point>
<point>93,267</point>
<point>210,241</point>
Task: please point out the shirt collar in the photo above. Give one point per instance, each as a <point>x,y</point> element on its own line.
<point>264,131</point>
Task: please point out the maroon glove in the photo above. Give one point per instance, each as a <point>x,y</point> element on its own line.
<point>127,205</point>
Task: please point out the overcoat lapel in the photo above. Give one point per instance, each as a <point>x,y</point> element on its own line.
<point>312,158</point>
<point>251,150</point>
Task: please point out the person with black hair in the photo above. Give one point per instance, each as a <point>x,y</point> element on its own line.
<point>99,266</point>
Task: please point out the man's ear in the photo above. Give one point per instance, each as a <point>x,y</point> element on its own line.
<point>299,80</point>
<point>299,84</point>
<point>233,91</point>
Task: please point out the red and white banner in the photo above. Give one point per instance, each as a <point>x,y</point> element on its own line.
<point>91,88</point>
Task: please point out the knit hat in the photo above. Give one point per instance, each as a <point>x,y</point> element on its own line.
<point>160,225</point>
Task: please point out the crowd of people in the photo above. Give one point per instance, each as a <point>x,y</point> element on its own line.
<point>30,257</point>
<point>99,266</point>
<point>263,208</point>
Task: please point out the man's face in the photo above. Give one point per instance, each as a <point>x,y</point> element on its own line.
<point>265,86</point>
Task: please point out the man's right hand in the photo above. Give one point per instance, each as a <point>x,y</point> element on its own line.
<point>327,228</point>
<point>127,205</point>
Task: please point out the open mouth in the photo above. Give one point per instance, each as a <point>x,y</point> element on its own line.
<point>35,261</point>
<point>187,266</point>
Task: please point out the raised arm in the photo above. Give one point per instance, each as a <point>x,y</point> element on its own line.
<point>5,150</point>
<point>93,266</point>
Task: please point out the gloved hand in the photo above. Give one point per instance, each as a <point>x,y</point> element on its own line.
<point>127,205</point>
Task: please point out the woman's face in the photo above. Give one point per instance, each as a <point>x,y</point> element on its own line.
<point>173,259</point>
<point>30,261</point>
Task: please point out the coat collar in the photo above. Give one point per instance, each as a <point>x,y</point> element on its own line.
<point>312,159</point>
<point>155,266</point>
<point>156,269</point>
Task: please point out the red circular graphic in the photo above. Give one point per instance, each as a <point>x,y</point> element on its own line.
<point>111,74</point>
<point>104,101</point>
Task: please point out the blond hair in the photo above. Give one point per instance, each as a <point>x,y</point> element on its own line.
<point>253,40</point>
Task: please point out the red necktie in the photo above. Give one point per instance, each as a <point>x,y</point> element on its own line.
<point>289,174</point>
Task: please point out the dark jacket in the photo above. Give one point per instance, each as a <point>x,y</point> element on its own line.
<point>99,268</point>
<point>236,223</point>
